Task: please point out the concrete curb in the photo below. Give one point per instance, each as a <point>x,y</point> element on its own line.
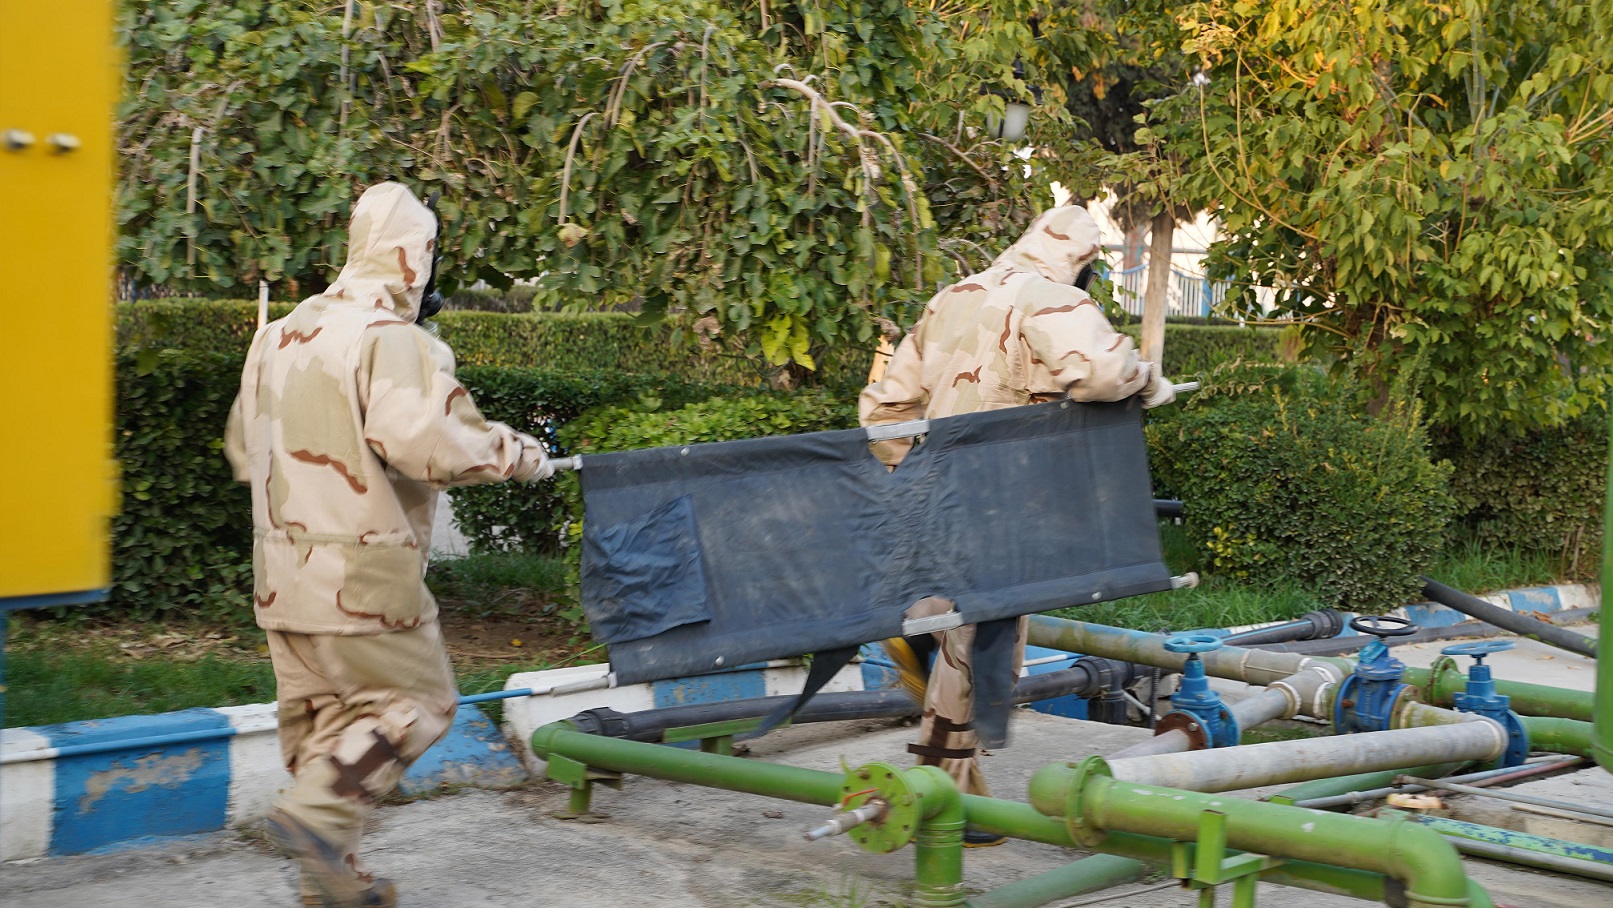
<point>87,787</point>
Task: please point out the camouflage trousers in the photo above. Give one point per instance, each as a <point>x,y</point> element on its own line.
<point>946,733</point>
<point>355,712</point>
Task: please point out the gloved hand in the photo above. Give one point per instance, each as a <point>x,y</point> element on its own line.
<point>535,465</point>
<point>1159,390</point>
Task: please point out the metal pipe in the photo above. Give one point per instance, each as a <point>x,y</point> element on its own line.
<point>1023,821</point>
<point>774,780</point>
<point>1095,804</point>
<point>1088,677</point>
<point>1512,796</point>
<point>1527,858</point>
<point>1233,662</point>
<point>1522,625</point>
<point>1271,703</point>
<point>1323,874</point>
<point>1321,794</point>
<point>1100,871</point>
<point>1254,765</point>
<point>1591,861</point>
<point>1560,736</point>
<point>1314,625</point>
<point>1439,684</point>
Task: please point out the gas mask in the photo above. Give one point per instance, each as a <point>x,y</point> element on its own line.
<point>1085,277</point>
<point>430,297</point>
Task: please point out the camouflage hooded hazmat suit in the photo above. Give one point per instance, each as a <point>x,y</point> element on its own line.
<point>348,422</point>
<point>1017,333</point>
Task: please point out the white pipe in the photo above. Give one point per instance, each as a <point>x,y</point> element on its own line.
<point>1282,762</point>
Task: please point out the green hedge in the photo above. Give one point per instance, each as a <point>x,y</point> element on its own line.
<point>626,428</point>
<point>1285,483</point>
<point>182,545</point>
<point>1193,351</point>
<point>525,517</point>
<point>1540,492</point>
<point>592,341</point>
<point>602,341</point>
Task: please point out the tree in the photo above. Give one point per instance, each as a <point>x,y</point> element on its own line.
<point>1423,184</point>
<point>1118,58</point>
<point>783,176</point>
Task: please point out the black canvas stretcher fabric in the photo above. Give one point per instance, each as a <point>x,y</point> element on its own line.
<point>716,555</point>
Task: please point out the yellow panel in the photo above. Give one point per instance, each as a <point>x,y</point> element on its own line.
<point>58,88</point>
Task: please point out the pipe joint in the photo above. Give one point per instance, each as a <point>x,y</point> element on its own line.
<point>1310,690</point>
<point>1429,866</point>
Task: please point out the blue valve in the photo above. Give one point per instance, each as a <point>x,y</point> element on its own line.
<point>1198,710</point>
<point>1366,700</point>
<point>1481,698</point>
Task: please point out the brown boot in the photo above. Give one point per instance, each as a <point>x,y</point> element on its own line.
<point>325,867</point>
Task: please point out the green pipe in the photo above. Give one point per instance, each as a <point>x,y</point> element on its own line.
<point>789,783</point>
<point>1440,683</point>
<point>1092,803</point>
<point>1361,781</point>
<point>560,740</point>
<point>1587,860</point>
<point>1559,736</point>
<point>1099,871</point>
<point>938,842</point>
<point>1602,745</point>
<point>1022,821</point>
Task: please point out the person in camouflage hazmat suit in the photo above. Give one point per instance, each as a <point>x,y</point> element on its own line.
<point>1017,333</point>
<point>348,422</point>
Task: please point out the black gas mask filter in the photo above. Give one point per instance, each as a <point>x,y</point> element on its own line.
<point>430,297</point>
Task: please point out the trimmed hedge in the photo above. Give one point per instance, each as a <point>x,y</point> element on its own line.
<point>1540,492</point>
<point>182,544</point>
<point>603,341</point>
<point>560,342</point>
<point>526,517</point>
<point>1285,483</point>
<point>1193,351</point>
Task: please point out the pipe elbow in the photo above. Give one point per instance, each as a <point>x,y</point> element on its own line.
<point>1429,866</point>
<point>543,737</point>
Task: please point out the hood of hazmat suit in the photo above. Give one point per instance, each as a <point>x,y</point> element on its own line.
<point>348,423</point>
<point>1019,332</point>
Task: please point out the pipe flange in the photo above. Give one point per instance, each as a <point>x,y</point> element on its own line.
<point>1186,723</point>
<point>903,807</point>
<point>1081,832</point>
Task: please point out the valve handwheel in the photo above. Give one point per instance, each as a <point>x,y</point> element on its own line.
<point>1193,643</point>
<point>1383,625</point>
<point>1478,649</point>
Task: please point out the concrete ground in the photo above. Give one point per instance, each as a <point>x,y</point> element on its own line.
<point>663,844</point>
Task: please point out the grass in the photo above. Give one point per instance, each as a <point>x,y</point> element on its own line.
<point>1219,602</point>
<point>45,687</point>
<point>499,585</point>
<point>1467,567</point>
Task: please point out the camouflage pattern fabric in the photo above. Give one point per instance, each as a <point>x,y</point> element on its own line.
<point>355,712</point>
<point>348,422</point>
<point>1017,333</point>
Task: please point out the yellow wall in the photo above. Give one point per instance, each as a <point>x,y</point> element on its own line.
<point>58,76</point>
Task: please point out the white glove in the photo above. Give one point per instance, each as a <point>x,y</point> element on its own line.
<point>1159,390</point>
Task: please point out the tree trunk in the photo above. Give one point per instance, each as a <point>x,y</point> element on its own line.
<point>1156,297</point>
